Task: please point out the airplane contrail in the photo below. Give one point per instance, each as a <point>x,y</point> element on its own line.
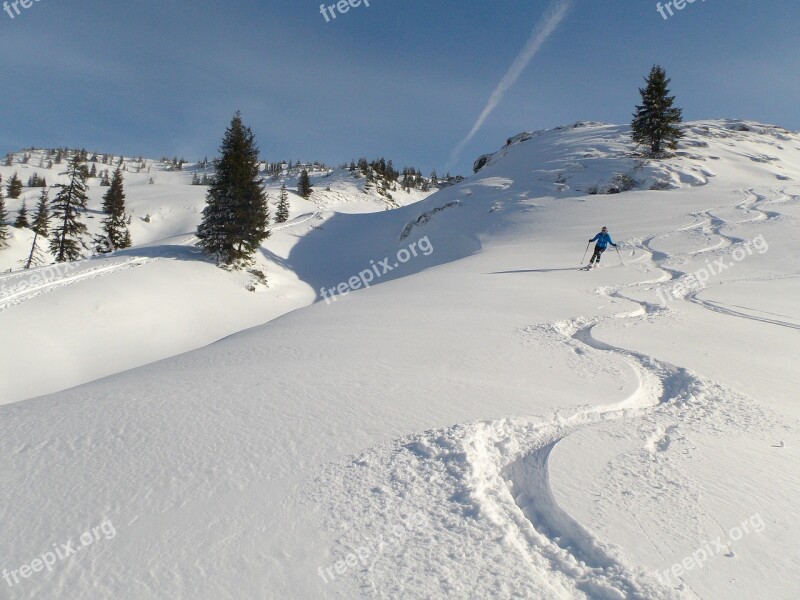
<point>543,29</point>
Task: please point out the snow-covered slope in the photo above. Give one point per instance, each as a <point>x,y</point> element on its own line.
<point>483,421</point>
<point>159,298</point>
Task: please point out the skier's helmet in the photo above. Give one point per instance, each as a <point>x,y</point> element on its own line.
<point>604,229</point>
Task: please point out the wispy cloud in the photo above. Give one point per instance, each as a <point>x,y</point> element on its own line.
<point>543,30</point>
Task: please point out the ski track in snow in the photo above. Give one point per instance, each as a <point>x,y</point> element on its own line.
<point>55,280</point>
<point>711,225</point>
<point>752,203</point>
<point>305,218</point>
<point>490,480</point>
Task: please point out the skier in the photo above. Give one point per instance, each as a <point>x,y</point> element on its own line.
<point>603,239</point>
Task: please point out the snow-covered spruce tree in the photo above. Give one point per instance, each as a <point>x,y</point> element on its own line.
<point>22,217</point>
<point>114,228</point>
<point>236,216</point>
<point>14,187</point>
<point>282,212</point>
<point>3,217</point>
<point>68,204</point>
<point>304,184</point>
<point>41,229</point>
<point>655,121</point>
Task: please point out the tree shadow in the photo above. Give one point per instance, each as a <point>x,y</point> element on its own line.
<point>173,251</point>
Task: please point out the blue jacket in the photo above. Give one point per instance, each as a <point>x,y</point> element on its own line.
<point>603,240</point>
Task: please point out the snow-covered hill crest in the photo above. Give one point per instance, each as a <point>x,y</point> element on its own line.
<point>598,158</point>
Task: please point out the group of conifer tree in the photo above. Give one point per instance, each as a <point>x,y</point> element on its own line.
<point>58,222</point>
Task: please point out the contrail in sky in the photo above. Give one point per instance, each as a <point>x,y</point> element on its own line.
<point>544,28</point>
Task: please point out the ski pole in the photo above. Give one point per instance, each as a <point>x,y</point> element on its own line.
<point>622,262</point>
<point>585,251</point>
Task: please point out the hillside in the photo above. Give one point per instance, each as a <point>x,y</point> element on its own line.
<point>482,421</point>
<point>160,297</point>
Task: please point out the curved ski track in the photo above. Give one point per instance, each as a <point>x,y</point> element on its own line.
<point>500,469</point>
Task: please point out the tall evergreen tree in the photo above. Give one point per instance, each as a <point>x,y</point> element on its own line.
<point>114,226</point>
<point>655,121</point>
<point>3,217</point>
<point>236,216</point>
<point>67,207</point>
<point>41,228</point>
<point>282,212</point>
<point>14,187</point>
<point>22,217</point>
<point>304,184</point>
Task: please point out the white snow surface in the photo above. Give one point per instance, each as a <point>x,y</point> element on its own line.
<point>483,421</point>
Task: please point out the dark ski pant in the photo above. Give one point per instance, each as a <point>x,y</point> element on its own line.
<point>598,252</point>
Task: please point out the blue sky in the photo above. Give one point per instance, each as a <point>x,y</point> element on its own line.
<point>405,80</point>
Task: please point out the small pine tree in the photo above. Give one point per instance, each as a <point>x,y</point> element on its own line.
<point>93,171</point>
<point>655,121</point>
<point>236,216</point>
<point>114,226</point>
<point>67,207</point>
<point>282,212</point>
<point>304,184</point>
<point>3,217</point>
<point>22,217</point>
<point>41,228</point>
<point>14,187</point>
